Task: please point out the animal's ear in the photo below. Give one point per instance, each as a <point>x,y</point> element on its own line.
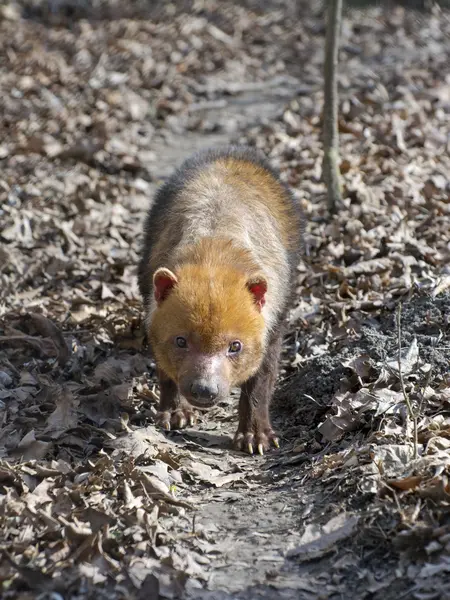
<point>257,286</point>
<point>163,282</point>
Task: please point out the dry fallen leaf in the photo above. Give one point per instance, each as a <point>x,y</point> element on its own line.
<point>98,510</point>
<point>406,483</point>
<point>64,416</point>
<point>407,361</point>
<point>318,541</point>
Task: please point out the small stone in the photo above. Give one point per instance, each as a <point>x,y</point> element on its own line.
<point>433,547</point>
<point>10,12</point>
<point>5,379</point>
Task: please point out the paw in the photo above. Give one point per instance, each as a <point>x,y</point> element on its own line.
<point>255,440</point>
<point>177,418</point>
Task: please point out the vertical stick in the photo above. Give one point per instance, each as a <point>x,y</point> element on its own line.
<point>330,165</point>
<point>411,413</point>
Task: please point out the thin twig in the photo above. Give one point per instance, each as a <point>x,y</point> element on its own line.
<point>412,416</point>
<point>330,167</point>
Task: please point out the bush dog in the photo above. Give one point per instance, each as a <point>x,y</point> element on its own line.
<point>221,246</point>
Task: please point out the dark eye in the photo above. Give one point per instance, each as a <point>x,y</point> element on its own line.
<point>181,342</point>
<point>235,347</point>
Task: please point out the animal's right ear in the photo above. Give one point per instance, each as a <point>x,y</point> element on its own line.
<point>163,282</point>
<point>257,286</point>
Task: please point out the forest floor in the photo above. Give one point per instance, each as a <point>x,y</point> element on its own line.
<point>100,102</point>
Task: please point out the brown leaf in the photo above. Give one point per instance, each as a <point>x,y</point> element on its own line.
<point>368,267</point>
<point>408,360</point>
<point>29,448</point>
<point>360,365</point>
<point>48,329</point>
<point>437,488</point>
<point>64,416</point>
<point>159,490</point>
<point>317,541</point>
<point>407,483</point>
<point>45,347</point>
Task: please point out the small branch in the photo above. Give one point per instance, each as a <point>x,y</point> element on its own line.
<point>330,167</point>
<point>412,416</point>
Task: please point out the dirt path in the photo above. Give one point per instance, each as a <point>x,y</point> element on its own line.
<point>253,524</point>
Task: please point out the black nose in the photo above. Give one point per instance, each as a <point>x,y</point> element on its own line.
<point>204,391</point>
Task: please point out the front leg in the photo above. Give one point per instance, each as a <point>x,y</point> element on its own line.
<point>254,430</point>
<point>174,411</point>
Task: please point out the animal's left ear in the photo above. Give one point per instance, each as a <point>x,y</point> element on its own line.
<point>163,283</point>
<point>257,286</point>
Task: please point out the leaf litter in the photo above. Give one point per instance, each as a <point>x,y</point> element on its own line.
<point>95,500</point>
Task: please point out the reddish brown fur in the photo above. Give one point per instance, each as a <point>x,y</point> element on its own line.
<point>212,303</point>
<point>223,239</point>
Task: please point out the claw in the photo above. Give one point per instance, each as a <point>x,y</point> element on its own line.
<point>181,422</point>
<point>176,418</point>
<point>254,441</point>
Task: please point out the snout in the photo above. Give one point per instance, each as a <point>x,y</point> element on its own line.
<point>201,393</point>
<point>205,380</point>
<point>204,391</point>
